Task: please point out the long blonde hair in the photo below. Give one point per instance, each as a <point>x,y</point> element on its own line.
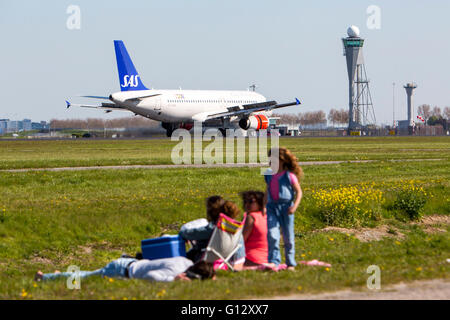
<point>289,161</point>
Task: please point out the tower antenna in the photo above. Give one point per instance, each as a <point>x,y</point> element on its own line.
<point>393,104</point>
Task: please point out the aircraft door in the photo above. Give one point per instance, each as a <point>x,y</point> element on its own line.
<point>157,105</point>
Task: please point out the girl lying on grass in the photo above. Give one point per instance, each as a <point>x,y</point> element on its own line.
<point>164,270</point>
<point>201,235</point>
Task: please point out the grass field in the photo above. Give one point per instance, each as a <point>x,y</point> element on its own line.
<point>83,152</point>
<point>50,220</point>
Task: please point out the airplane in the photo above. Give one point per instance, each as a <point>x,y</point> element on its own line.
<point>181,108</point>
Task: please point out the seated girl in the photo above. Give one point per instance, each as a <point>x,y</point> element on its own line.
<point>255,229</point>
<point>200,236</point>
<point>199,231</point>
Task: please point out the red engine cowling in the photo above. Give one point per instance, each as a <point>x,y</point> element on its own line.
<point>256,122</point>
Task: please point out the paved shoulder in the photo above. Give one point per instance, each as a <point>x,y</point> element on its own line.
<point>436,289</point>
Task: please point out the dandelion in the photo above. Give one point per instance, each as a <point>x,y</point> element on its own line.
<point>299,288</point>
<point>161,293</point>
<point>227,291</point>
<point>397,242</point>
<point>34,285</point>
<point>331,239</point>
<point>327,269</point>
<point>111,280</point>
<point>24,293</point>
<point>419,269</point>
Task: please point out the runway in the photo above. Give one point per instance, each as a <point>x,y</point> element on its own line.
<point>200,166</point>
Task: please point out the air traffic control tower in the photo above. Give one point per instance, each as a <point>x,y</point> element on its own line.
<point>409,87</point>
<point>361,112</point>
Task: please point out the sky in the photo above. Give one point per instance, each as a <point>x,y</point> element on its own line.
<point>287,48</point>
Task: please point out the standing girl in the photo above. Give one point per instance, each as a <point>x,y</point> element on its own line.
<point>283,195</point>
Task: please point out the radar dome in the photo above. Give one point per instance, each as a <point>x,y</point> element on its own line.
<point>353,32</point>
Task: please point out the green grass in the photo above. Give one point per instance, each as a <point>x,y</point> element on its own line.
<point>37,154</point>
<point>50,220</point>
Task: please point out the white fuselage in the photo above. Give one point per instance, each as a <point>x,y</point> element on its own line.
<point>183,105</point>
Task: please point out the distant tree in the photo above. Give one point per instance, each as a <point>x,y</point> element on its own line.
<point>332,116</point>
<point>97,123</point>
<point>286,118</point>
<point>314,117</point>
<point>436,112</point>
<point>342,116</point>
<point>320,117</point>
<point>436,120</point>
<point>424,111</point>
<point>447,113</point>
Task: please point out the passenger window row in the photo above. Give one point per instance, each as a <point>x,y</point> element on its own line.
<point>209,101</point>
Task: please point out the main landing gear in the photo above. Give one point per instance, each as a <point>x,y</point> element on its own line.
<point>170,128</point>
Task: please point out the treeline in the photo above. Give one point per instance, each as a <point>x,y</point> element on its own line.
<point>432,116</point>
<point>305,118</point>
<point>435,115</point>
<point>315,117</point>
<point>96,123</point>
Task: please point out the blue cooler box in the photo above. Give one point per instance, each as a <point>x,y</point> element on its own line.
<point>163,247</point>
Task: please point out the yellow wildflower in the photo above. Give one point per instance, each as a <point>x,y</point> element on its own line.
<point>161,293</point>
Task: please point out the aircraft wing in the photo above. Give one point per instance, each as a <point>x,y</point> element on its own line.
<point>244,110</point>
<point>108,107</point>
<point>135,98</point>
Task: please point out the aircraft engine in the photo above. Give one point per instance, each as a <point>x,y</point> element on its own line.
<point>256,122</point>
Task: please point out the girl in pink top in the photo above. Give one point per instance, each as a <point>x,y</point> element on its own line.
<point>255,229</point>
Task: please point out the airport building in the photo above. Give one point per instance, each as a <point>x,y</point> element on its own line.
<point>11,126</point>
<point>3,125</point>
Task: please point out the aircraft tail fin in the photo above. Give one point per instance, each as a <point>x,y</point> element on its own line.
<point>129,78</point>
